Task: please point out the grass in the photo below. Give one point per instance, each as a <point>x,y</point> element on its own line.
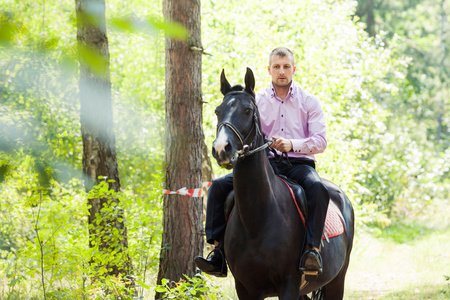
<point>400,266</point>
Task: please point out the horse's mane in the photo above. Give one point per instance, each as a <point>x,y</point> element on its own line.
<point>240,88</point>
<point>237,88</point>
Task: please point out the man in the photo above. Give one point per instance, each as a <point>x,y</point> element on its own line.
<point>295,120</point>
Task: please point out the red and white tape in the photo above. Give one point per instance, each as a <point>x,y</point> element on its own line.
<point>197,192</point>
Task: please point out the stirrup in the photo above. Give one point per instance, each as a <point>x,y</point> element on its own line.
<point>222,272</point>
<point>310,272</point>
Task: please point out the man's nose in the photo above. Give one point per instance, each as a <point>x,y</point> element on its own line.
<point>281,71</point>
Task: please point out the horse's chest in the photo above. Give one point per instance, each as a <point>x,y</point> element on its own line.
<point>266,254</point>
<point>259,258</point>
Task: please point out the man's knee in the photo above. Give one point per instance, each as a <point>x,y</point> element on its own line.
<point>318,191</point>
<point>220,187</point>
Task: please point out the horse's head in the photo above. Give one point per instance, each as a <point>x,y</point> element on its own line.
<point>236,119</point>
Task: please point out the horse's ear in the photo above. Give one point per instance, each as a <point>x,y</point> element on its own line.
<point>250,81</point>
<point>225,86</point>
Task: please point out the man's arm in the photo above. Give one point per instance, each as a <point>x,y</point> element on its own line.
<point>316,141</point>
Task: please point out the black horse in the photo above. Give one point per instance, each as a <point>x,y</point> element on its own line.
<point>265,236</point>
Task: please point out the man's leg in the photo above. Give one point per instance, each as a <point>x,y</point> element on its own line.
<point>317,198</point>
<point>215,263</point>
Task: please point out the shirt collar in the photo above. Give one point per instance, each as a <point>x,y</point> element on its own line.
<point>291,93</point>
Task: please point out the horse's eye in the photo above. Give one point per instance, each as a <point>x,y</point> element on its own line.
<point>216,112</point>
<point>248,111</point>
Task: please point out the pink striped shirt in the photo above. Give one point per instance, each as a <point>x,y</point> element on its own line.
<point>299,117</point>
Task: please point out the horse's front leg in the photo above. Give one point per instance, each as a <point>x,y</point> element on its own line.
<point>290,289</point>
<point>244,294</point>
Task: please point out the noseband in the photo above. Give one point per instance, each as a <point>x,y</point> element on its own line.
<point>236,131</point>
<point>245,151</point>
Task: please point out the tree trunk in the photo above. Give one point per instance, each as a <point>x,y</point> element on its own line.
<point>365,10</point>
<point>207,172</point>
<point>99,153</point>
<point>182,233</point>
<point>370,18</point>
<point>443,76</point>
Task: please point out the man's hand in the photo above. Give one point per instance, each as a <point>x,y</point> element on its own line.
<point>281,144</point>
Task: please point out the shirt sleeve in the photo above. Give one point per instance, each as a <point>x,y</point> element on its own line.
<point>316,141</point>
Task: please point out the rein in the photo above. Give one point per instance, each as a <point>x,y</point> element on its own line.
<point>240,154</point>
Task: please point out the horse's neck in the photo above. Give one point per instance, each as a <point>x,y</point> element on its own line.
<point>253,180</point>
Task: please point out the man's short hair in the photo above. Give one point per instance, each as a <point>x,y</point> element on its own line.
<point>282,52</point>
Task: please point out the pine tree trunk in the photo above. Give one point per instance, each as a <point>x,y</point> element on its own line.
<point>99,153</point>
<point>365,11</point>
<point>370,18</point>
<point>182,235</point>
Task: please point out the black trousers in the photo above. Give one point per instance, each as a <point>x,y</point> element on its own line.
<point>302,171</point>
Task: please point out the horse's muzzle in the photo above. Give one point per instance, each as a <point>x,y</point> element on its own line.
<point>223,153</point>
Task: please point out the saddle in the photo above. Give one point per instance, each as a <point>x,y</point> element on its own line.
<point>334,222</point>
<point>298,194</point>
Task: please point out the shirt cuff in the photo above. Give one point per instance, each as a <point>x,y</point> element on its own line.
<point>299,146</point>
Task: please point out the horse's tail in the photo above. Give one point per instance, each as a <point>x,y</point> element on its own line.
<point>320,294</point>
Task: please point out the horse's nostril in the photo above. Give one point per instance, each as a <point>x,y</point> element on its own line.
<point>213,151</point>
<point>228,148</point>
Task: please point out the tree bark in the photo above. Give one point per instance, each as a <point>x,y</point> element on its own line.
<point>182,233</point>
<point>99,153</point>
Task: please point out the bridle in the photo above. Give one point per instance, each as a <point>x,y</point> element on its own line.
<point>246,149</point>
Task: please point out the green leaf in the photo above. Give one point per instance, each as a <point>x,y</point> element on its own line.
<point>96,62</point>
<point>171,29</point>
<point>142,284</point>
<point>160,289</point>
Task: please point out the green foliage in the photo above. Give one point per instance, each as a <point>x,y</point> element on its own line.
<point>422,28</point>
<point>107,232</point>
<point>375,152</point>
<point>50,244</point>
<point>197,287</point>
<point>380,98</point>
<point>405,233</point>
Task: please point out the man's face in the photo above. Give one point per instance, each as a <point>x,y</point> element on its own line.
<point>281,70</point>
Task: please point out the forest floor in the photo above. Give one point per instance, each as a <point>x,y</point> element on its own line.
<point>403,261</point>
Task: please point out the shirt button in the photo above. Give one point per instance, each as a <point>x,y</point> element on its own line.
<point>282,129</point>
<point>281,115</point>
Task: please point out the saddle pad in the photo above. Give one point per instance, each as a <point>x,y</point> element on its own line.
<point>333,222</point>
